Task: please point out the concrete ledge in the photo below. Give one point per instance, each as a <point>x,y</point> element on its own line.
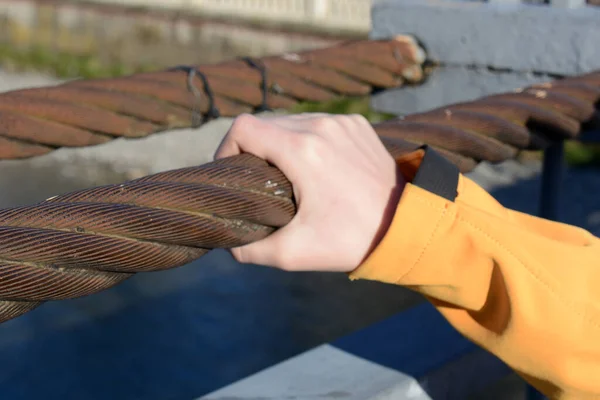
<point>509,35</point>
<point>414,355</point>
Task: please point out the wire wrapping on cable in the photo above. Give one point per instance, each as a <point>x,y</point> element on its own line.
<point>83,242</point>
<point>264,84</point>
<point>197,118</point>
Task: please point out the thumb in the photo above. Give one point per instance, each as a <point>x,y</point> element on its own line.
<point>279,250</point>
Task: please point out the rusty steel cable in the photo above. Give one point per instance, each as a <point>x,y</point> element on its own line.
<point>89,112</point>
<point>87,241</point>
<point>498,127</point>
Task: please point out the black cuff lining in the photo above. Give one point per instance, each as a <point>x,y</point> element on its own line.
<point>437,175</point>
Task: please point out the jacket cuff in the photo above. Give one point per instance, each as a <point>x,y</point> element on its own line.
<point>432,185</point>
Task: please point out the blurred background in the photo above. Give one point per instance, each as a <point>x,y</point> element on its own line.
<point>182,333</point>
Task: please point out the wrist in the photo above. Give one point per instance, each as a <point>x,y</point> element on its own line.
<point>389,211</point>
<point>424,169</point>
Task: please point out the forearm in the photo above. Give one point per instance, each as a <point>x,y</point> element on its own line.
<point>521,287</point>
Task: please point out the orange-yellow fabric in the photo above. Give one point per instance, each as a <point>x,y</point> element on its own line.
<point>524,288</point>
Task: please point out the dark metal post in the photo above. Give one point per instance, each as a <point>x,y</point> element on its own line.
<point>552,176</point>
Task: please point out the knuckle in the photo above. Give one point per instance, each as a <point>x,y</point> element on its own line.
<point>358,119</point>
<point>240,122</point>
<point>325,124</point>
<point>341,124</point>
<point>353,122</point>
<point>313,149</point>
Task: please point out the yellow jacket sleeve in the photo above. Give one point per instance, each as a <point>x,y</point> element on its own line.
<point>524,288</point>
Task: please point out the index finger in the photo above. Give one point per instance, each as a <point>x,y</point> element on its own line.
<point>265,140</point>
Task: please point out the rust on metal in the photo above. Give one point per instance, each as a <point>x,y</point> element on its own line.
<point>505,132</point>
<point>166,92</point>
<point>295,65</point>
<point>450,138</point>
<point>528,116</point>
<point>278,82</point>
<point>31,129</point>
<point>398,147</point>
<point>238,91</point>
<point>392,55</point>
<point>370,74</point>
<point>78,115</point>
<point>551,101</point>
<point>157,112</point>
<point>11,149</point>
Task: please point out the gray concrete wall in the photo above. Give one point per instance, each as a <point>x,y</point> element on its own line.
<point>487,47</point>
